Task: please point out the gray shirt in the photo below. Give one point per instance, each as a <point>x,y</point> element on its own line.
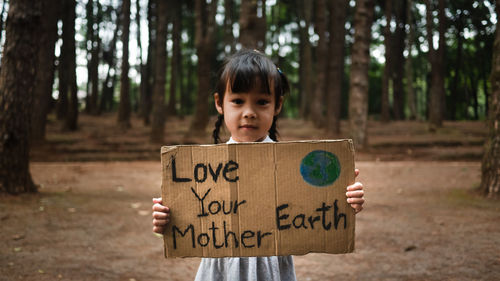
<point>247,268</point>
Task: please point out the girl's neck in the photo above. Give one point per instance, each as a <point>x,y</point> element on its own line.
<point>266,139</point>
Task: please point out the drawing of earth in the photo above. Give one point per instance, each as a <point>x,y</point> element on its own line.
<point>320,168</point>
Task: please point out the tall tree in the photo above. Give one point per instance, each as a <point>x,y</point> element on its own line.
<point>399,62</point>
<point>109,57</point>
<point>17,82</point>
<point>385,114</point>
<point>93,49</point>
<point>124,107</point>
<point>176,57</point>
<point>317,103</point>
<point>436,58</point>
<point>69,65</point>
<point>338,15</point>
<point>490,179</point>
<point>411,98</point>
<point>228,26</point>
<point>306,86</point>
<point>253,26</point>
<point>204,41</point>
<point>42,94</point>
<point>147,74</point>
<point>158,124</point>
<point>358,92</point>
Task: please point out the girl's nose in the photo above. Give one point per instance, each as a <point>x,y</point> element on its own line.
<point>249,112</point>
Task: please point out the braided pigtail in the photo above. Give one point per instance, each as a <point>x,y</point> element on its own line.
<point>273,131</point>
<point>218,124</point>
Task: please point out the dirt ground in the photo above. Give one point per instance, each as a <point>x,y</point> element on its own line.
<point>91,219</point>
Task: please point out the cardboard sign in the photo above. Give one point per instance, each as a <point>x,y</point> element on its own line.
<point>258,199</point>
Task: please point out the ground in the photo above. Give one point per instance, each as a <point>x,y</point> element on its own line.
<point>91,219</point>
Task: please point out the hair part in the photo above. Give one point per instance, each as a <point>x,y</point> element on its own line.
<point>250,70</point>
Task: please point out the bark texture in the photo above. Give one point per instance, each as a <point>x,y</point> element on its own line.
<point>158,120</point>
<point>69,66</point>
<point>17,82</point>
<point>490,180</point>
<point>358,92</point>
<point>253,26</point>
<point>124,108</point>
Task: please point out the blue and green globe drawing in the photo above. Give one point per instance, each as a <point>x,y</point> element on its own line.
<point>320,168</point>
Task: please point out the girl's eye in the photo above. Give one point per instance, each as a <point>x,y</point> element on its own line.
<point>262,102</point>
<point>237,101</point>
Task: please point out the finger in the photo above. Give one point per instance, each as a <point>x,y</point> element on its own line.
<point>160,208</point>
<point>158,229</point>
<point>356,201</point>
<point>160,215</point>
<point>356,172</point>
<point>357,208</point>
<point>356,186</point>
<point>157,222</point>
<point>157,200</point>
<point>356,193</point>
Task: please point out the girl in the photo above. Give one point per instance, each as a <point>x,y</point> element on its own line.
<point>249,98</point>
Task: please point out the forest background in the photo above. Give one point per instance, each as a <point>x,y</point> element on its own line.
<point>89,90</point>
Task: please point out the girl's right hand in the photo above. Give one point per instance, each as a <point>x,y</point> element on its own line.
<point>161,216</point>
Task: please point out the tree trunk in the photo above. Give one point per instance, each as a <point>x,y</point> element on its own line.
<point>359,83</point>
<point>176,57</point>
<point>94,64</point>
<point>204,41</point>
<point>338,15</point>
<point>228,27</point>
<point>436,58</point>
<point>17,83</point>
<point>158,124</point>
<point>317,104</point>
<point>398,66</point>
<point>385,114</point>
<point>69,47</point>
<point>252,27</point>
<point>490,178</point>
<point>304,14</point>
<point>147,75</point>
<point>124,108</point>
<point>109,57</point>
<point>412,100</point>
<point>42,94</point>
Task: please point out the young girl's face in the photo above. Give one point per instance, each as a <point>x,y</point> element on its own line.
<point>248,116</point>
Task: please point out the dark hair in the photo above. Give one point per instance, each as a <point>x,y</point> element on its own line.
<point>243,72</point>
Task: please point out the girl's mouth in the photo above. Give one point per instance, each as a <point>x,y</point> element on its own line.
<point>248,127</point>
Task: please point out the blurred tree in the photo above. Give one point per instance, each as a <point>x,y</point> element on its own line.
<point>147,73</point>
<point>303,10</point>
<point>42,95</point>
<point>228,27</point>
<point>158,122</point>
<point>398,59</point>
<point>338,16</point>
<point>317,103</point>
<point>205,47</point>
<point>175,72</point>
<point>1,19</point>
<point>436,58</point>
<point>68,66</point>
<point>252,25</point>
<point>124,107</point>
<point>490,179</point>
<point>109,57</point>
<point>93,51</point>
<point>411,98</point>
<point>17,83</point>
<point>358,91</point>
<point>385,114</point>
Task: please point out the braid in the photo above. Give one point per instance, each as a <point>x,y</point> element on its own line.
<point>273,131</point>
<point>218,124</point>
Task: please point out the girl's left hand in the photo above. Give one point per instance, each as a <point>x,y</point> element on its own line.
<point>355,195</point>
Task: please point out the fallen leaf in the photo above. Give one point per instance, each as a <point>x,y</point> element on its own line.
<point>71,210</point>
<point>41,271</point>
<point>18,236</point>
<point>135,205</point>
<point>410,248</point>
<point>17,249</point>
<point>143,213</point>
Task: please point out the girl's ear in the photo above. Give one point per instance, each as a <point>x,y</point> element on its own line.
<point>278,106</point>
<point>218,103</point>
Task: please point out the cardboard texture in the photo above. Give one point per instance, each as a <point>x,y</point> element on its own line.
<point>258,199</point>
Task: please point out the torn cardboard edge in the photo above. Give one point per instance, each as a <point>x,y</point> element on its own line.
<point>258,199</point>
